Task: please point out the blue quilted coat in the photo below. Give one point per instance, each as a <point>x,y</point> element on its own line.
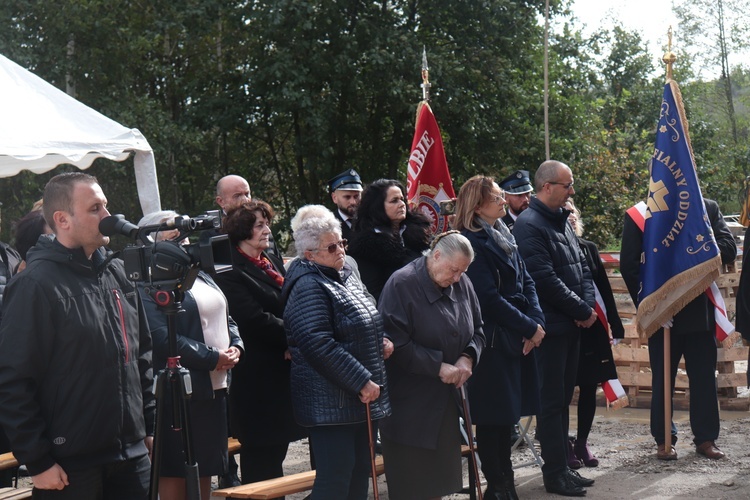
<point>335,337</point>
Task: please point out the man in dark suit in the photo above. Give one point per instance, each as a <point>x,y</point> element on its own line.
<point>693,336</point>
<point>517,187</point>
<point>346,192</point>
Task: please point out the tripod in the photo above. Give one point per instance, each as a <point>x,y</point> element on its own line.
<point>176,380</point>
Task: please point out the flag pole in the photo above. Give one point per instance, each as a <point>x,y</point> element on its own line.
<point>668,59</point>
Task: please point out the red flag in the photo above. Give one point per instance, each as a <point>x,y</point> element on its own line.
<point>428,181</point>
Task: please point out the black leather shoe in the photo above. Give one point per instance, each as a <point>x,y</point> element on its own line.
<point>561,484</point>
<point>229,480</point>
<point>578,479</point>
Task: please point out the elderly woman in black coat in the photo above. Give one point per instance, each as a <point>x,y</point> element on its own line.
<point>505,385</point>
<point>386,235</point>
<point>432,316</point>
<point>336,340</point>
<point>209,345</point>
<point>260,403</point>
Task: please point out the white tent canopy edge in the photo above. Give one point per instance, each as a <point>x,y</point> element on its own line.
<point>42,127</point>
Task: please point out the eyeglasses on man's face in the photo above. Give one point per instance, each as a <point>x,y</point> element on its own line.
<point>566,186</point>
<point>334,246</point>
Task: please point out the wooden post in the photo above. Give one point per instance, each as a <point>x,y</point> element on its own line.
<point>667,391</point>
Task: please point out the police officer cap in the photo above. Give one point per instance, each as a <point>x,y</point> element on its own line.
<point>517,183</point>
<point>347,180</point>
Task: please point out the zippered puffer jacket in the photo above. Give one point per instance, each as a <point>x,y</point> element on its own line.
<point>550,249</point>
<point>75,361</point>
<point>335,337</point>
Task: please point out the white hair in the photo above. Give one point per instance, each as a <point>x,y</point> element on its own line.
<point>450,244</point>
<point>310,211</point>
<point>309,231</point>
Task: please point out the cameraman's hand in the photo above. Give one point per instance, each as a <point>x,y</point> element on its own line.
<point>53,478</point>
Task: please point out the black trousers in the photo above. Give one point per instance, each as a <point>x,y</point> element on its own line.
<point>126,480</point>
<point>699,350</point>
<point>558,366</point>
<point>493,446</point>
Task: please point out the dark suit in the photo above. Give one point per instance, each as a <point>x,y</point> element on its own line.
<point>260,402</point>
<point>693,336</point>
<point>509,220</point>
<point>346,230</point>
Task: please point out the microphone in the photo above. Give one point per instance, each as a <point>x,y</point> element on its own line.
<point>116,224</point>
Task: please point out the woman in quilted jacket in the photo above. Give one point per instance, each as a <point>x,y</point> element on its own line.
<point>336,341</point>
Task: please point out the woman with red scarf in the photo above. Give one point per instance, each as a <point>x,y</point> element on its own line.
<point>260,404</point>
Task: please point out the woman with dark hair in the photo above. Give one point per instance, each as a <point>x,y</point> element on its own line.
<point>209,345</point>
<point>27,230</point>
<point>596,363</point>
<point>260,403</point>
<point>386,235</point>
<point>505,385</point>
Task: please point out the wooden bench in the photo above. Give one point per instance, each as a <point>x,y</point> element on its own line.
<point>15,493</point>
<point>288,485</point>
<point>8,461</point>
<point>233,446</point>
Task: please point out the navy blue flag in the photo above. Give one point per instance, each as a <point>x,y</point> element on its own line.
<point>680,258</point>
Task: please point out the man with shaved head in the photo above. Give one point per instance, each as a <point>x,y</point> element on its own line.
<point>232,191</point>
<point>564,285</point>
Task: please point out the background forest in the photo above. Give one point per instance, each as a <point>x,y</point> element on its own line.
<point>287,93</point>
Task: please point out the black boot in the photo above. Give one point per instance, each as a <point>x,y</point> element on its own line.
<point>510,487</point>
<point>496,492</point>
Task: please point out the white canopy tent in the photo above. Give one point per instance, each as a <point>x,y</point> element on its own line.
<point>42,127</point>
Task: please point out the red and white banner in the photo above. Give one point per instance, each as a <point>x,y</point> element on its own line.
<point>428,181</point>
<point>613,391</point>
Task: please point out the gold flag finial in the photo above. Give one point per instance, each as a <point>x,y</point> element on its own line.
<point>425,76</point>
<point>669,58</point>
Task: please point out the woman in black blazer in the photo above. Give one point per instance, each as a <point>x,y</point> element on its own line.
<point>505,383</point>
<point>260,404</point>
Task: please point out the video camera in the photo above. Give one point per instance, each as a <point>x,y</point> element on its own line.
<point>171,264</point>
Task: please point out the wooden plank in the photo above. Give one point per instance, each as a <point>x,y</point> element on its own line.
<point>643,380</point>
<point>8,461</point>
<point>15,493</point>
<point>287,485</point>
<point>233,446</point>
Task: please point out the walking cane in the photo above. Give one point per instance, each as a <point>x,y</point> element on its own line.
<point>470,438</point>
<point>372,453</point>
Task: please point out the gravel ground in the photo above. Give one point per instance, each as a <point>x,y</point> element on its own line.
<point>628,465</point>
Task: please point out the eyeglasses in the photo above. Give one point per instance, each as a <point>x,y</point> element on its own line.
<point>564,185</point>
<point>334,246</point>
<point>498,198</point>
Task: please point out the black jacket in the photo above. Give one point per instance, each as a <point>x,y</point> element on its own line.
<point>260,401</point>
<point>554,260</point>
<point>505,384</point>
<point>380,254</point>
<point>194,354</point>
<point>335,337</point>
<point>75,361</point>
<point>698,315</point>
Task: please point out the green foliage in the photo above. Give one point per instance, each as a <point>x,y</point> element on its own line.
<point>288,93</point>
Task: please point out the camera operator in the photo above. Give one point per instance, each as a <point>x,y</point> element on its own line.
<point>75,358</point>
<point>209,345</point>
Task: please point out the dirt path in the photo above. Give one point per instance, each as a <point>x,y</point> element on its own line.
<point>628,465</point>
